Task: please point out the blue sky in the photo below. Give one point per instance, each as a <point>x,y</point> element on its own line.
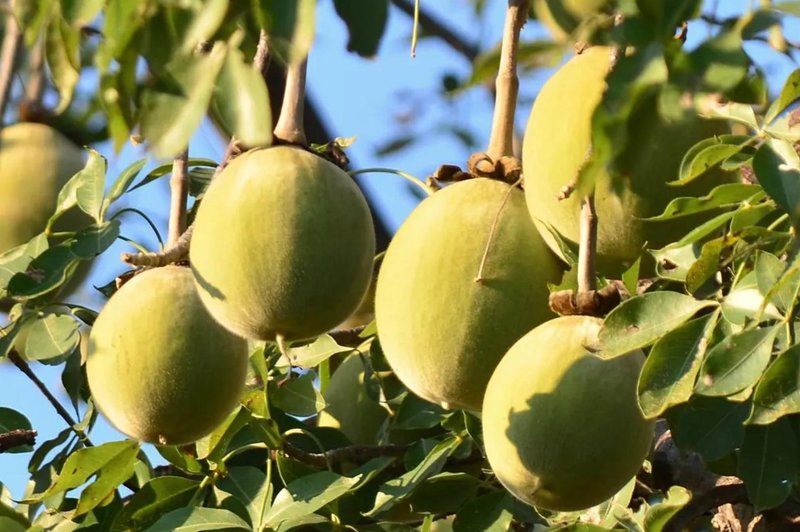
<point>356,97</point>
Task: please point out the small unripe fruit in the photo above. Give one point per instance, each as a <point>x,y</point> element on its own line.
<point>349,408</point>
<point>556,144</point>
<point>283,245</point>
<point>451,300</point>
<point>562,427</point>
<point>35,162</point>
<point>159,367</point>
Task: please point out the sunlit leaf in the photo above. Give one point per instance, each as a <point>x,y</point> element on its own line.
<point>154,499</point>
<point>778,392</point>
<point>199,519</point>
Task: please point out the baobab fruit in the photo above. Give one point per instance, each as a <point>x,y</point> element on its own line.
<point>35,162</point>
<point>159,367</point>
<point>283,245</point>
<point>562,427</point>
<point>349,407</point>
<point>562,17</point>
<point>463,279</point>
<point>556,145</point>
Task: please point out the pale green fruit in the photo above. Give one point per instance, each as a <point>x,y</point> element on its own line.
<point>35,162</point>
<point>349,408</point>
<point>557,141</point>
<point>562,17</point>
<point>159,367</point>
<point>442,329</point>
<point>562,427</point>
<point>283,245</point>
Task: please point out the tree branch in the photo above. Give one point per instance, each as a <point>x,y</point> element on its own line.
<point>290,122</point>
<point>16,438</point>
<point>8,61</point>
<point>179,193</point>
<point>434,27</point>
<point>355,454</point>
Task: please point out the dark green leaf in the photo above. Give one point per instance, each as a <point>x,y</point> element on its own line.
<point>95,239</point>
<point>710,426</point>
<point>12,420</point>
<point>306,495</point>
<point>298,396</point>
<point>154,499</point>
<point>417,413</point>
<point>668,375</point>
<point>721,60</point>
<point>701,274</point>
<point>443,493</point>
<point>642,320</point>
<point>63,52</point>
<point>251,487</point>
<point>80,12</point>
<point>18,258</point>
<point>768,463</point>
<point>781,288</point>
<point>46,272</point>
<point>777,167</point>
<point>51,336</point>
<point>199,519</point>
<point>121,20</point>
<point>43,449</point>
<point>214,446</point>
<point>696,163</point>
<point>778,392</point>
<point>180,459</point>
<point>366,21</point>
<point>242,100</point>
<point>206,19</point>
<point>487,513</point>
<point>727,195</point>
<point>736,362</point>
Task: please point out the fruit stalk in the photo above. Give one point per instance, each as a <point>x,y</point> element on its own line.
<point>179,193</point>
<point>8,59</point>
<point>34,88</point>
<point>290,123</point>
<point>587,251</point>
<point>507,83</point>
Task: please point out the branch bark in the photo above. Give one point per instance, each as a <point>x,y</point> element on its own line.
<point>16,438</point>
<point>587,250</point>
<point>179,194</point>
<point>8,61</point>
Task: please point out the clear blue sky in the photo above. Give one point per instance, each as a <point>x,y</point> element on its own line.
<point>356,97</point>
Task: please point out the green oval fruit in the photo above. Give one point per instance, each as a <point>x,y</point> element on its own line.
<point>349,408</point>
<point>557,141</point>
<point>159,367</point>
<point>562,427</point>
<point>283,245</point>
<point>562,17</point>
<point>442,329</point>
<point>35,162</point>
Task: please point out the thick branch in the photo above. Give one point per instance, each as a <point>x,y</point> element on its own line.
<point>179,194</point>
<point>16,438</point>
<point>8,60</point>
<point>290,123</point>
<point>434,27</point>
<point>507,83</point>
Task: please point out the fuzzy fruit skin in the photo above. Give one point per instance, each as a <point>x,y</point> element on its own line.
<point>35,162</point>
<point>442,331</point>
<point>563,16</point>
<point>349,408</point>
<point>283,245</point>
<point>159,367</point>
<point>555,146</point>
<point>562,427</point>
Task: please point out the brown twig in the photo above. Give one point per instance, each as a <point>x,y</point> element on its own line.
<point>355,454</point>
<point>8,61</point>
<point>16,438</point>
<point>179,248</point>
<point>31,105</point>
<point>179,194</point>
<point>434,27</point>
<point>289,128</point>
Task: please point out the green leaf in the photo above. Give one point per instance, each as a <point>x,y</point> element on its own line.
<point>668,375</point>
<point>306,495</point>
<point>710,426</point>
<point>179,458</point>
<point>777,167</point>
<point>311,355</point>
<point>13,420</point>
<point>243,101</point>
<point>153,500</point>
<point>789,94</point>
<point>707,265</point>
<point>89,461</point>
<point>95,239</point>
<point>736,362</point>
<point>173,109</point>
<point>775,282</point>
<point>659,514</point>
<point>114,472</point>
<point>416,413</point>
<point>768,463</point>
<point>721,60</point>
<point>710,107</point>
<point>641,320</point>
<point>298,396</point>
<point>214,446</point>
<point>778,392</point>
<point>290,25</point>
<point>80,13</point>
<point>251,487</point>
<point>198,519</point>
<point>488,513</point>
<point>122,183</point>
<point>165,169</point>
<point>722,196</point>
<point>43,449</point>
<point>62,49</point>
<point>673,263</point>
<point>46,272</point>
<point>366,22</point>
<point>121,20</point>
<point>397,489</point>
<point>744,302</point>
<point>18,259</point>
<point>207,18</point>
<point>8,524</point>
<point>711,152</point>
<point>706,228</point>
<point>52,336</point>
<point>84,189</point>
